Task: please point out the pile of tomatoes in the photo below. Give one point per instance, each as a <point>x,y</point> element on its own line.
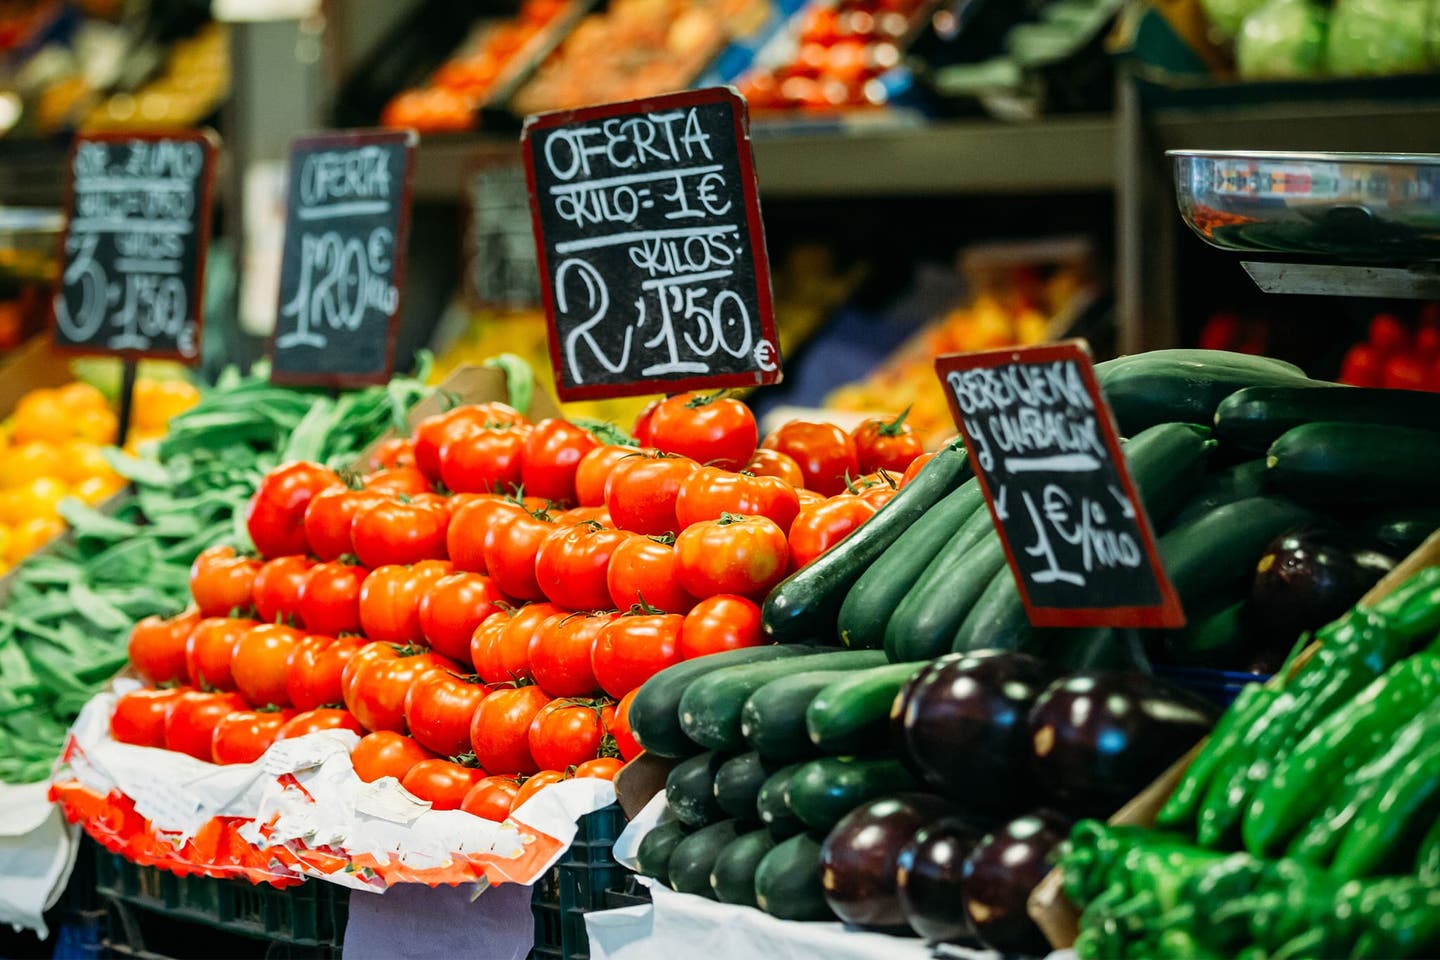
<point>483,604</point>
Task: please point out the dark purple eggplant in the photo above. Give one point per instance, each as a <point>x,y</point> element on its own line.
<point>859,858</point>
<point>999,875</point>
<point>962,727</point>
<point>1098,738</point>
<point>930,879</point>
<point>1308,577</point>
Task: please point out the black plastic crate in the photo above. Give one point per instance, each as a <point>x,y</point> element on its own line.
<point>576,885</point>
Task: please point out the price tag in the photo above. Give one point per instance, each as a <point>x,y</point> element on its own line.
<point>133,258</point>
<point>347,220</point>
<point>1043,445</point>
<point>652,255</point>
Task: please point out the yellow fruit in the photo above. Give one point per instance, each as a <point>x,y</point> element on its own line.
<point>96,489</point>
<point>30,536</point>
<point>81,460</point>
<point>81,396</point>
<point>5,538</point>
<point>97,426</point>
<point>41,416</point>
<point>156,401</point>
<point>40,497</point>
<point>26,462</point>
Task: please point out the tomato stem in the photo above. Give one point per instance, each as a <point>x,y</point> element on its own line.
<point>894,427</point>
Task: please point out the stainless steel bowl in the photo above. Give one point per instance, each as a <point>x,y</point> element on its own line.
<point>1365,207</point>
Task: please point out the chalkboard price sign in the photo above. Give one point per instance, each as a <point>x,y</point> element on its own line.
<point>651,252</point>
<point>347,220</point>
<point>132,278</point>
<point>1044,448</point>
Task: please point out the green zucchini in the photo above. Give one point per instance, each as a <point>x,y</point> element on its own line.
<point>1210,560</point>
<point>655,711</point>
<point>738,783</point>
<point>694,858</point>
<point>652,857</point>
<point>1240,482</point>
<point>1402,530</point>
<point>773,718</point>
<point>710,707</point>
<point>1256,417</point>
<point>1185,386</point>
<point>787,881</point>
<point>804,606</point>
<point>1209,640</point>
<point>923,626</point>
<point>880,589</point>
<point>733,876</point>
<point>1353,464</point>
<point>852,714</point>
<point>822,791</point>
<point>690,790</point>
<point>1093,648</point>
<point>772,806</point>
<point>998,620</point>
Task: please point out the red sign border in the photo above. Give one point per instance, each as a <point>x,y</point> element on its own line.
<point>354,138</point>
<point>1168,612</point>
<point>208,139</point>
<point>759,254</point>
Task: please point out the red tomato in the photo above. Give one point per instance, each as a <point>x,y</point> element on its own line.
<point>390,600</point>
<point>452,608</point>
<point>398,482</point>
<point>773,463</point>
<point>158,647</point>
<point>574,515</point>
<point>511,547</point>
<point>1405,371</point>
<point>625,740</point>
<point>221,582</point>
<point>707,428</point>
<point>485,461</point>
<point>566,733</point>
<point>500,729</point>
<point>242,736</point>
<point>487,647</point>
<point>394,452</point>
<point>552,455</point>
<point>571,563</point>
<point>642,492</point>
<point>741,555</point>
<point>330,598</point>
<point>275,517</point>
<point>438,710</point>
<point>208,651</point>
<point>321,718</point>
<point>820,527</point>
<point>1388,334</point>
<point>470,528</point>
<point>190,724</point>
<point>434,432</point>
<point>641,430</point>
<point>721,622</point>
<point>260,662</point>
<point>378,678</point>
<point>643,570</point>
<point>277,588</point>
<point>315,668</point>
<point>710,492</point>
<point>394,532</point>
<point>519,631</point>
<point>491,798</point>
<point>592,476</point>
<point>1427,341</point>
<point>534,784</point>
<point>601,768</point>
<point>886,444</point>
<point>139,717</point>
<point>916,465</point>
<point>559,655</point>
<point>876,488</point>
<point>1361,367</point>
<point>633,648</point>
<point>826,453</point>
<point>329,517</point>
<point>386,753</point>
<point>809,498</point>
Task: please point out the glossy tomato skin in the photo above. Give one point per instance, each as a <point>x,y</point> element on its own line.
<point>519,631</point>
<point>711,492</point>
<point>434,432</point>
<point>772,463</point>
<point>452,608</point>
<point>330,598</point>
<point>718,623</point>
<point>534,784</point>
<point>315,668</point>
<point>398,482</point>
<point>329,517</point>
<point>641,430</point>
<point>511,547</point>
<point>242,736</point>
<point>442,782</point>
<point>378,678</point>
<point>209,648</point>
<point>386,754</point>
<point>633,648</point>
<point>157,647</point>
<point>469,527</point>
<point>916,465</point>
<point>221,582</point>
<point>260,664</point>
<point>644,570</point>
<point>139,717</point>
<point>321,718</point>
<point>574,515</point>
<point>600,768</point>
<point>560,649</point>
<point>390,600</point>
<point>392,532</point>
<point>886,444</point>
<point>571,563</point>
<point>707,428</point>
<point>500,729</point>
<point>487,461</point>
<point>566,733</point>
<point>275,517</point>
<point>643,490</point>
<point>820,527</point>
<point>592,476</point>
<point>553,451</point>
<point>190,724</point>
<point>826,454</point>
<point>491,798</point>
<point>625,740</point>
<point>438,710</point>
<point>877,488</point>
<point>277,588</point>
<point>394,452</point>
<point>745,556</point>
<point>487,652</point>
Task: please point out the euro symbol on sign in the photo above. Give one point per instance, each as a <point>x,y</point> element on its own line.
<point>705,191</point>
<point>765,355</point>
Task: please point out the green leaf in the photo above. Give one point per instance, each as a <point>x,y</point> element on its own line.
<point>86,521</point>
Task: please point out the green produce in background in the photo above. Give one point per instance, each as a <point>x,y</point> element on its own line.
<point>1284,39</point>
<point>1225,16</point>
<point>1382,37</point>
